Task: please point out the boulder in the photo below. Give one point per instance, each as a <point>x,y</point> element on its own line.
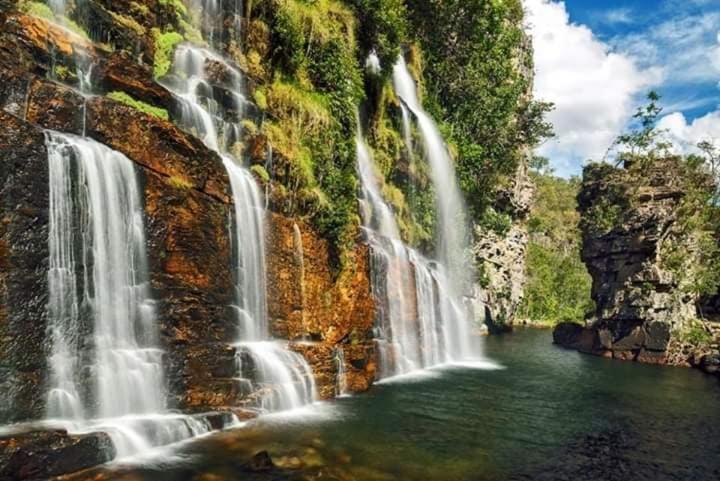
<point>43,454</point>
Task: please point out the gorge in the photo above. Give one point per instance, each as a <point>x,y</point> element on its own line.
<point>267,239</point>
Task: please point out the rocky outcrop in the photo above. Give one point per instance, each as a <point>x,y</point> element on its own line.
<point>308,301</point>
<point>501,254</point>
<point>641,260</point>
<point>43,454</point>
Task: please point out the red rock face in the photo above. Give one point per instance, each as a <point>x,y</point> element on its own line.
<point>306,300</point>
<point>187,207</point>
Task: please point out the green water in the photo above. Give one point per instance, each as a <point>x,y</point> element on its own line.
<point>548,414</point>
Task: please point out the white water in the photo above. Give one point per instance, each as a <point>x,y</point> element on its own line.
<point>282,378</point>
<point>96,223</point>
<point>453,269</point>
<point>212,19</point>
<point>59,7</point>
<point>412,325</point>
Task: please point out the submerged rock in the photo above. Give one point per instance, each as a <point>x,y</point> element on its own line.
<point>43,454</point>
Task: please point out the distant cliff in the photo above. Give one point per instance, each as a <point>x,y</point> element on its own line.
<point>649,252</point>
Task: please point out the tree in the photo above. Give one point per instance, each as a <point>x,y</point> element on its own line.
<point>646,142</point>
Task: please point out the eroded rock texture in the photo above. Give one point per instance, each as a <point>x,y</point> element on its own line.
<point>308,301</point>
<point>23,268</point>
<point>44,454</point>
<point>631,236</point>
<point>502,254</point>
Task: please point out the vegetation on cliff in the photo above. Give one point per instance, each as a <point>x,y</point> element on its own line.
<point>558,284</point>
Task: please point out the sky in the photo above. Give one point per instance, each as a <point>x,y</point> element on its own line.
<point>596,60</point>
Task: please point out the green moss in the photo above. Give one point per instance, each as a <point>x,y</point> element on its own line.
<point>260,173</point>
<point>178,5</point>
<point>165,44</point>
<point>129,23</point>
<point>36,9</point>
<point>63,73</point>
<point>179,182</point>
<point>126,99</point>
<point>140,8</point>
<point>260,98</point>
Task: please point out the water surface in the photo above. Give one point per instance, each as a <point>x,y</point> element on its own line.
<point>550,414</point>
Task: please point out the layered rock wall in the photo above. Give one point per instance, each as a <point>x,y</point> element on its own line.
<point>501,255</point>
<point>632,234</point>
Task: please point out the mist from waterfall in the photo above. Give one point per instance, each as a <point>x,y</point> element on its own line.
<point>96,227</point>
<point>282,378</point>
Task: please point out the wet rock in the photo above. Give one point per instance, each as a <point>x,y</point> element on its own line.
<point>23,268</point>
<point>309,300</point>
<point>567,334</point>
<point>710,364</point>
<point>261,462</point>
<point>43,454</point>
<point>120,72</point>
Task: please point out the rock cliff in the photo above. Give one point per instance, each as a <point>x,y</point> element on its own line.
<point>643,258</point>
<point>187,206</point>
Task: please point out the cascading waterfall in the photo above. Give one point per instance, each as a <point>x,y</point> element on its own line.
<point>452,235</point>
<point>96,213</point>
<point>412,331</point>
<point>283,378</point>
<point>58,7</point>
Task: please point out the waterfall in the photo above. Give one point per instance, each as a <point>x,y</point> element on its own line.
<point>96,227</point>
<point>411,326</point>
<point>59,7</point>
<point>452,235</point>
<point>282,379</point>
<point>341,387</point>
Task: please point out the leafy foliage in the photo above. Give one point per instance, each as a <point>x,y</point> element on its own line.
<point>312,102</point>
<point>477,77</point>
<point>383,28</point>
<point>558,287</point>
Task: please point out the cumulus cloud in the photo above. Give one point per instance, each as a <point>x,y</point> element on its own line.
<point>592,86</point>
<point>685,135</point>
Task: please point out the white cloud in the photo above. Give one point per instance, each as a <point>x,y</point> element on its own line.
<point>618,16</point>
<point>686,135</point>
<point>688,46</point>
<point>593,88</point>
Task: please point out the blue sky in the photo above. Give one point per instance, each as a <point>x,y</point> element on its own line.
<point>596,59</point>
